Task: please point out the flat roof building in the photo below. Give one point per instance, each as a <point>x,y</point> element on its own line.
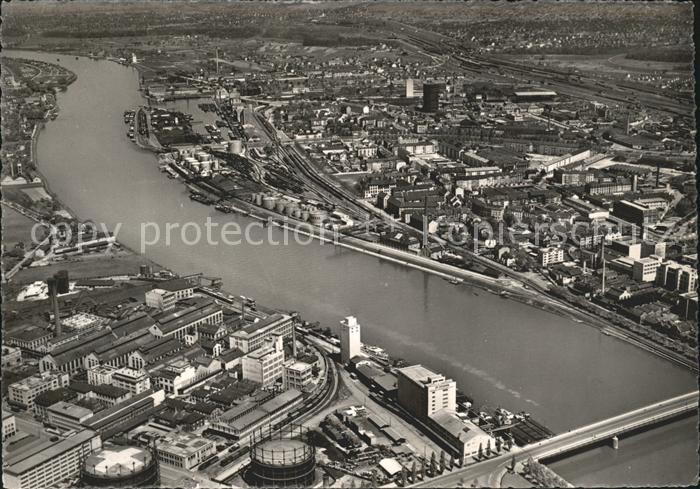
<point>184,450</point>
<point>135,381</point>
<point>265,365</point>
<point>67,416</point>
<point>23,392</point>
<point>45,463</point>
<point>423,392</point>
<point>253,336</point>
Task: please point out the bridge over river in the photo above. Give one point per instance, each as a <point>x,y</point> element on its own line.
<point>491,472</point>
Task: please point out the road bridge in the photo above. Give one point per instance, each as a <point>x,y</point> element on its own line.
<point>490,472</point>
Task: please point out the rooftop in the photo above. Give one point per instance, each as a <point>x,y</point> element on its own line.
<point>264,324</point>
<point>420,375</point>
<point>35,454</point>
<point>68,409</point>
<point>112,460</point>
<point>183,444</point>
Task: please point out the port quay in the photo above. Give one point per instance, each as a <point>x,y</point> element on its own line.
<point>355,344</point>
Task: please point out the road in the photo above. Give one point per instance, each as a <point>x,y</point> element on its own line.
<point>420,443</point>
<point>490,472</point>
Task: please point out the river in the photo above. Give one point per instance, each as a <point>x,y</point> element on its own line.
<point>501,352</point>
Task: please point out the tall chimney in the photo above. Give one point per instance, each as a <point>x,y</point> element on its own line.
<point>658,171</point>
<point>53,295</point>
<point>294,334</point>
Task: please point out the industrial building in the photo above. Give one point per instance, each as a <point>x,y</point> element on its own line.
<point>298,376</point>
<point>184,321</point>
<point>67,416</point>
<point>160,299</point>
<point>644,269</point>
<point>674,276</point>
<point>23,392</point>
<point>636,213</point>
<point>44,463</point>
<point>350,340</point>
<point>253,336</point>
<point>423,392</point>
<point>265,365</point>
<point>184,450</point>
<point>431,96</point>
<point>132,380</point>
<point>466,437</point>
<point>240,421</point>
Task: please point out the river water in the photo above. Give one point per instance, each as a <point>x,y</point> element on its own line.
<point>501,352</point>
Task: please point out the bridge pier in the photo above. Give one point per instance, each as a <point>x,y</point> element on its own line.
<point>615,442</point>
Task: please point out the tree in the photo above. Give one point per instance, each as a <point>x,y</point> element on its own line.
<point>422,469</point>
<point>374,479</point>
<point>433,465</point>
<point>404,477</point>
<point>488,447</point>
<point>481,451</point>
<point>442,461</point>
<point>452,462</point>
<point>499,442</point>
<point>512,463</point>
<point>414,472</point>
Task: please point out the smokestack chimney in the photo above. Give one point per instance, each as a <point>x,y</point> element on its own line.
<point>53,295</point>
<point>602,255</point>
<point>634,183</point>
<point>658,171</point>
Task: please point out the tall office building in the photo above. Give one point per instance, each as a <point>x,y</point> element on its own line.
<point>431,96</point>
<point>409,88</point>
<point>350,343</point>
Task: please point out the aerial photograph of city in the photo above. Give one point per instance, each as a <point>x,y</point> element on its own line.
<point>348,244</point>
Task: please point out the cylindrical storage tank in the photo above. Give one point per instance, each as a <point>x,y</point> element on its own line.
<point>258,199</point>
<point>206,165</point>
<point>269,201</point>
<point>279,207</point>
<point>296,213</point>
<point>289,209</point>
<point>305,215</point>
<point>316,217</point>
<point>283,459</point>
<point>121,466</point>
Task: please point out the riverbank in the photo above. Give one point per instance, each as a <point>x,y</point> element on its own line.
<point>498,349</point>
<point>502,287</point>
